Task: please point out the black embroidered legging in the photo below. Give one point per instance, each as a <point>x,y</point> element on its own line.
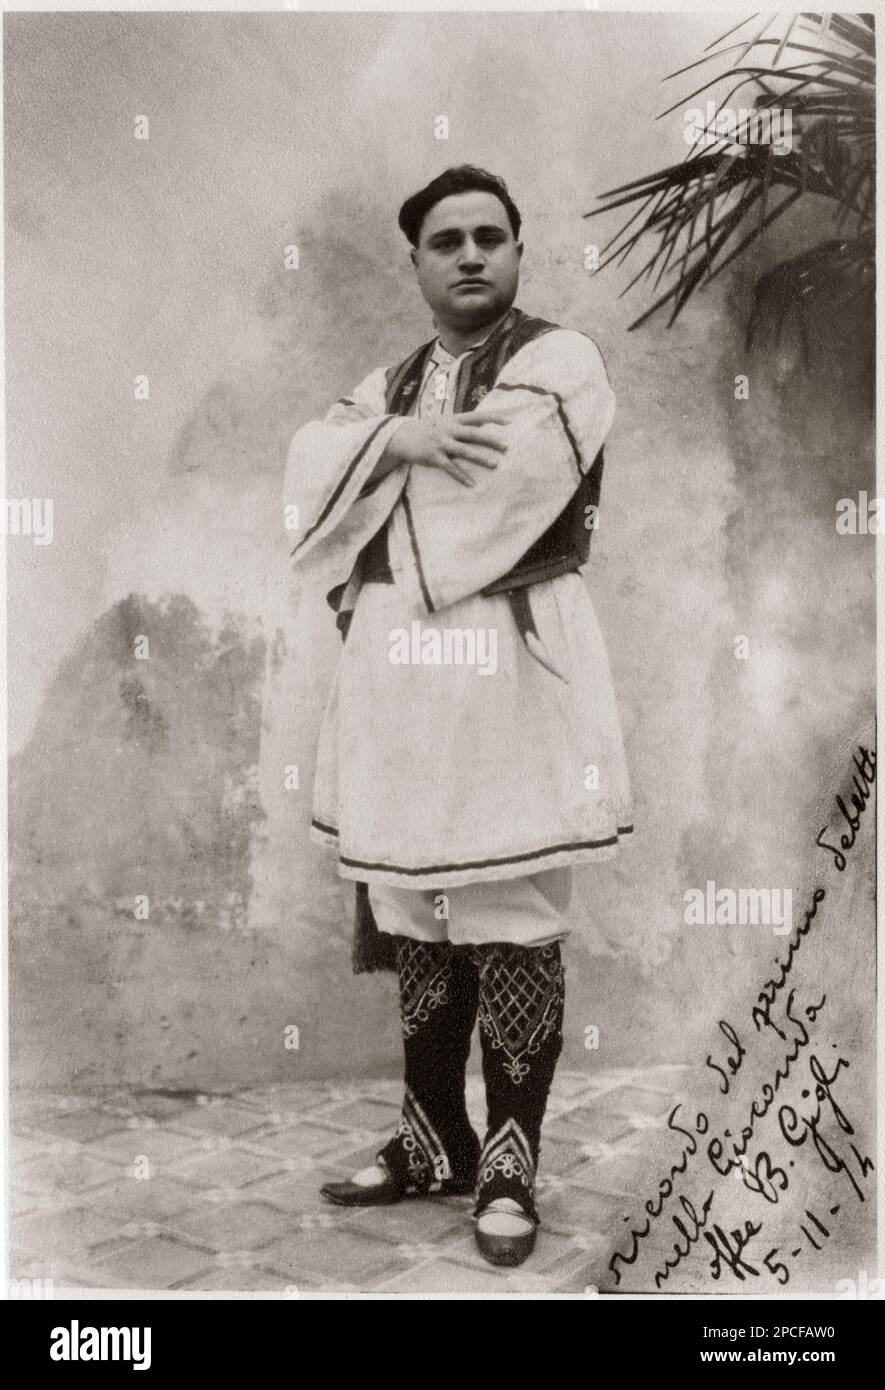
<point>435,1142</point>
<point>519,993</point>
<point>521,1003</point>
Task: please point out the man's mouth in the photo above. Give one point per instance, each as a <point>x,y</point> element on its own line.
<point>478,284</point>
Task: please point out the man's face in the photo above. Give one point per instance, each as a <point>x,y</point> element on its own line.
<point>467,238</point>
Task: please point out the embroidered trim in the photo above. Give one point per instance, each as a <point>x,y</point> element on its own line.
<point>425,971</point>
<point>426,1158</point>
<point>425,592</point>
<point>520,1001</point>
<point>507,1154</point>
<point>402,381</point>
<point>560,410</point>
<point>478,372</point>
<point>477,863</point>
<point>342,485</point>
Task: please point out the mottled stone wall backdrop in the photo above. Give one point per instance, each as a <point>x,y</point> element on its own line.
<point>164,777</point>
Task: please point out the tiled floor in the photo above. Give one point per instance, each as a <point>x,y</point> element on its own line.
<point>161,1191</point>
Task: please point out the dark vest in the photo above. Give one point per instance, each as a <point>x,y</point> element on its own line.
<point>565,545</point>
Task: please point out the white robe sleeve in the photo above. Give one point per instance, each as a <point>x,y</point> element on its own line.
<point>559,406</point>
<point>329,506</point>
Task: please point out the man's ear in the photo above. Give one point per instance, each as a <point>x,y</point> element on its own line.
<point>413,257</point>
<point>519,249</point>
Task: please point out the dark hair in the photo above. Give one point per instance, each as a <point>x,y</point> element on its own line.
<point>461,178</point>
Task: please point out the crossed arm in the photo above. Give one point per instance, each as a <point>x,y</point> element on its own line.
<point>480,487</point>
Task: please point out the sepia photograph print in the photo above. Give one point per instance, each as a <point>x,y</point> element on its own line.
<point>440,523</point>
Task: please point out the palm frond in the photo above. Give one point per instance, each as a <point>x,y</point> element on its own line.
<point>706,211</point>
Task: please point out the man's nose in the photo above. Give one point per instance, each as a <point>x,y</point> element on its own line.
<point>471,256</point>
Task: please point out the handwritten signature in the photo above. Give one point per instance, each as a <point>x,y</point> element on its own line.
<point>728,1152</point>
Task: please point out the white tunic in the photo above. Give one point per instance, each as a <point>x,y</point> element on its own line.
<point>449,754</point>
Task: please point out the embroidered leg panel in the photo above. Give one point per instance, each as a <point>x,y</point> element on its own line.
<point>434,1141</point>
<point>521,1003</point>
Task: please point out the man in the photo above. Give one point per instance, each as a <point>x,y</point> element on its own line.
<point>471,752</point>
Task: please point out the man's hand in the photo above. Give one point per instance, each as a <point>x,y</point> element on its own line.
<point>448,442</point>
